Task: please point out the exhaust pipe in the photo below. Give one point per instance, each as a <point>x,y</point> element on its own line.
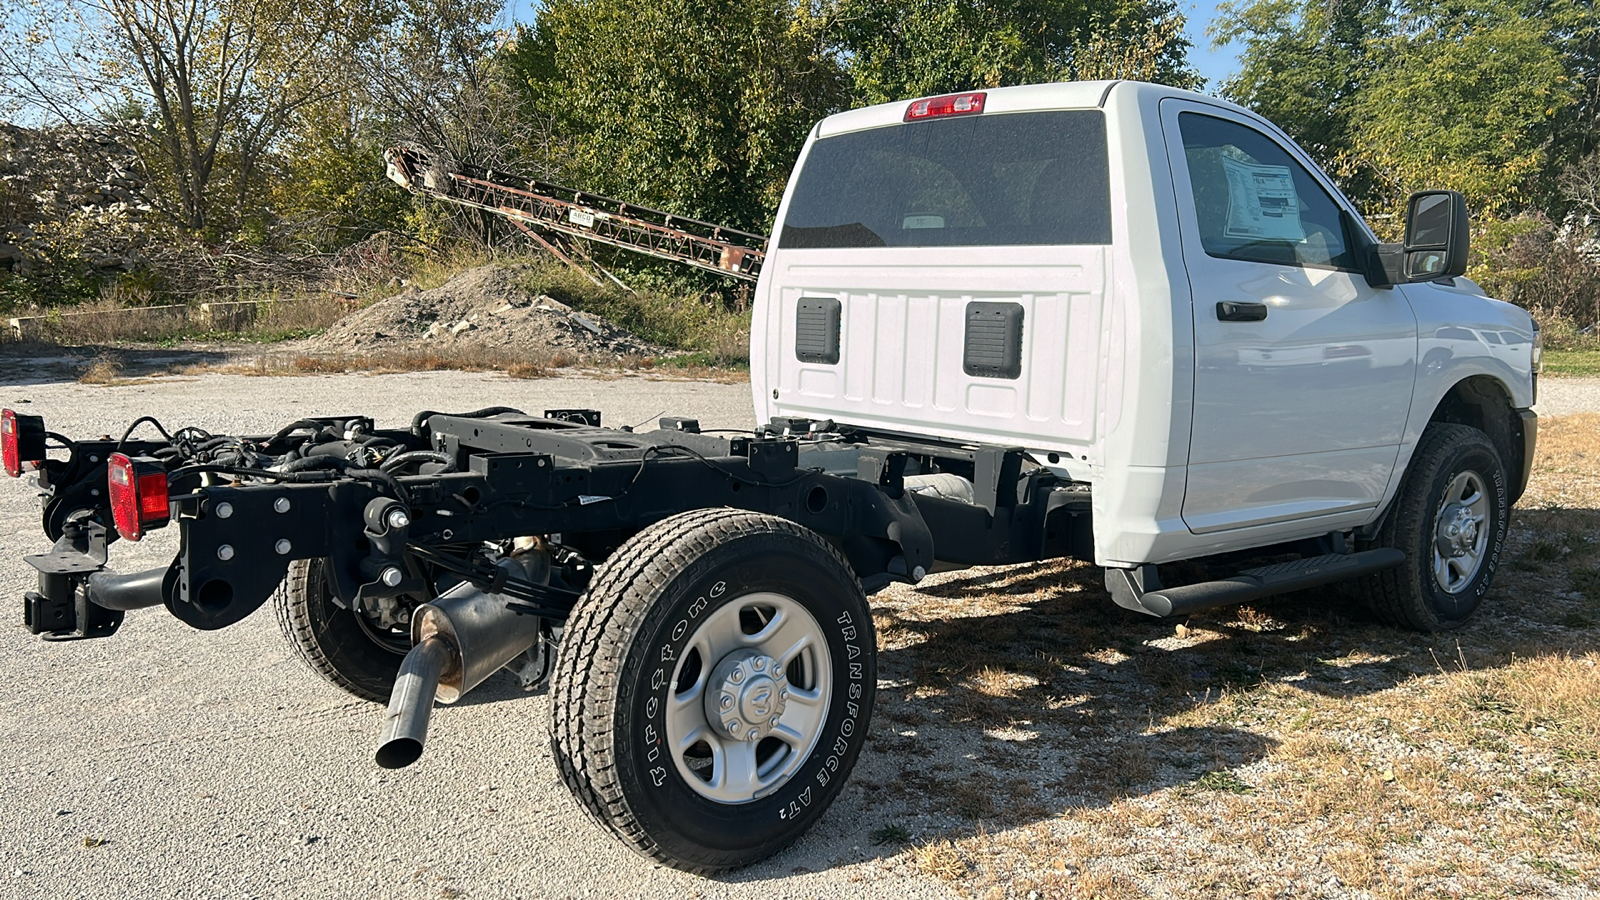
<point>405,723</point>
<point>459,640</point>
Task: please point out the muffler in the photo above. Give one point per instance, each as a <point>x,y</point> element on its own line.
<point>459,640</point>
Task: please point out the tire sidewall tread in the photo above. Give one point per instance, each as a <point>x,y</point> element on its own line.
<point>614,639</point>
<point>327,639</point>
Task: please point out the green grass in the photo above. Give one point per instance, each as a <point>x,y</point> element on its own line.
<point>890,834</point>
<point>1224,781</point>
<point>1572,362</point>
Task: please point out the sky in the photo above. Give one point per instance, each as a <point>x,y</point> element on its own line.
<point>1213,65</point>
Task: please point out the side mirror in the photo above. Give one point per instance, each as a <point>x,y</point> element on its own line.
<point>1436,242</point>
<point>1436,235</point>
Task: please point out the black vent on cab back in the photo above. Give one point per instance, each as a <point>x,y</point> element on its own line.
<point>816,330</point>
<point>994,340</point>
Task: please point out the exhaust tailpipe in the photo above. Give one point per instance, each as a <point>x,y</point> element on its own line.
<point>459,640</point>
<point>405,723</point>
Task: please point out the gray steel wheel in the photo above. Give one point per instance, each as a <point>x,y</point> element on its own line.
<point>749,698</point>
<point>1450,519</point>
<point>1459,536</point>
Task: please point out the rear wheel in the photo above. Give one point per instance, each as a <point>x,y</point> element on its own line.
<point>1450,518</point>
<point>714,687</point>
<point>350,651</point>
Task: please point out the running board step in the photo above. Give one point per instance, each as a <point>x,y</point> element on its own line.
<point>1141,591</point>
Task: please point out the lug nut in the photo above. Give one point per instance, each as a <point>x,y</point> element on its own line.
<point>392,576</point>
<point>727,701</point>
<point>734,728</point>
<point>225,552</point>
<point>759,663</point>
<point>397,518</point>
<point>283,546</point>
<point>224,510</point>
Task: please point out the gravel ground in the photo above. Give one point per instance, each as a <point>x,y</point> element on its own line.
<point>197,765</point>
<point>1565,396</point>
<point>168,763</point>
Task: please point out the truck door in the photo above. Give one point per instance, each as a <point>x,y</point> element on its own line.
<point>1303,372</point>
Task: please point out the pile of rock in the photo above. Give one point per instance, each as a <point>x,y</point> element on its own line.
<point>489,308</point>
<point>69,192</point>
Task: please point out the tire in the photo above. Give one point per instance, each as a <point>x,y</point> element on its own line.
<point>340,646</point>
<point>706,604</point>
<point>1456,480</point>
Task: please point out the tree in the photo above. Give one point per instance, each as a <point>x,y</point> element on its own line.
<point>1469,97</point>
<point>1485,96</point>
<point>430,72</point>
<point>699,107</point>
<point>1305,64</point>
<point>203,88</point>
<point>900,49</point>
<point>329,189</point>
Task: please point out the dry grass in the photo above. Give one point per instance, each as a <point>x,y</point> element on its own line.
<point>1046,742</point>
<point>119,320</point>
<point>101,370</point>
<point>520,364</point>
<point>941,859</point>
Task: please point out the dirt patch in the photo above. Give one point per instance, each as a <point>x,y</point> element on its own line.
<point>484,310</point>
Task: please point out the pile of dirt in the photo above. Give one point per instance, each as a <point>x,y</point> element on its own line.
<point>487,309</point>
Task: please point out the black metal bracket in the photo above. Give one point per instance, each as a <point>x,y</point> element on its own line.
<point>995,474</point>
<point>60,610</point>
<point>589,417</point>
<point>885,469</point>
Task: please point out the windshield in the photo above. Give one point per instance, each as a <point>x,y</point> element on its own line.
<point>1019,178</point>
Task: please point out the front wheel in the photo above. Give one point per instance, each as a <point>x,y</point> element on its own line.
<point>714,688</point>
<point>1450,518</point>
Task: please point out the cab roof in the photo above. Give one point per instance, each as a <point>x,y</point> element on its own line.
<point>1024,98</point>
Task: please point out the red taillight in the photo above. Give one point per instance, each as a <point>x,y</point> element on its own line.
<point>949,105</point>
<point>8,444</point>
<point>138,487</point>
<point>21,441</point>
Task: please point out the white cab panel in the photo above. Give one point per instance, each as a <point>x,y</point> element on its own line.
<point>902,340</point>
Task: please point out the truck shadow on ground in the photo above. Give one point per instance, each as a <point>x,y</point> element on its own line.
<point>34,364</point>
<point>1014,696</point>
<point>1020,695</point>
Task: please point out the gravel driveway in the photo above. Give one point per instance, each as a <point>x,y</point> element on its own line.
<point>166,762</point>
<point>1565,396</point>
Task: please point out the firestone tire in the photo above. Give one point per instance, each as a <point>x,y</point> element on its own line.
<point>1450,519</point>
<point>345,652</point>
<point>714,688</point>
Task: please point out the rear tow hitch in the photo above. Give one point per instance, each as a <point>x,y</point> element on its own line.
<point>77,597</point>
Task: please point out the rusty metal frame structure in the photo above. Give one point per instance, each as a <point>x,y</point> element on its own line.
<point>545,207</point>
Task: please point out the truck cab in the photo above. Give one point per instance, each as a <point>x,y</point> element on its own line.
<point>1154,292</point>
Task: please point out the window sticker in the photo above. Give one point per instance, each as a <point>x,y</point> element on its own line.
<point>1262,203</point>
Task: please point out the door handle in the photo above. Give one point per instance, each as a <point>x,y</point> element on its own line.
<point>1238,311</point>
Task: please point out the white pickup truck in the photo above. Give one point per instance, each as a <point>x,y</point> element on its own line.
<point>1108,321</point>
<point>1158,295</point>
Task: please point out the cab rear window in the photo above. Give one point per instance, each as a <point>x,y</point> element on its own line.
<point>1018,178</point>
